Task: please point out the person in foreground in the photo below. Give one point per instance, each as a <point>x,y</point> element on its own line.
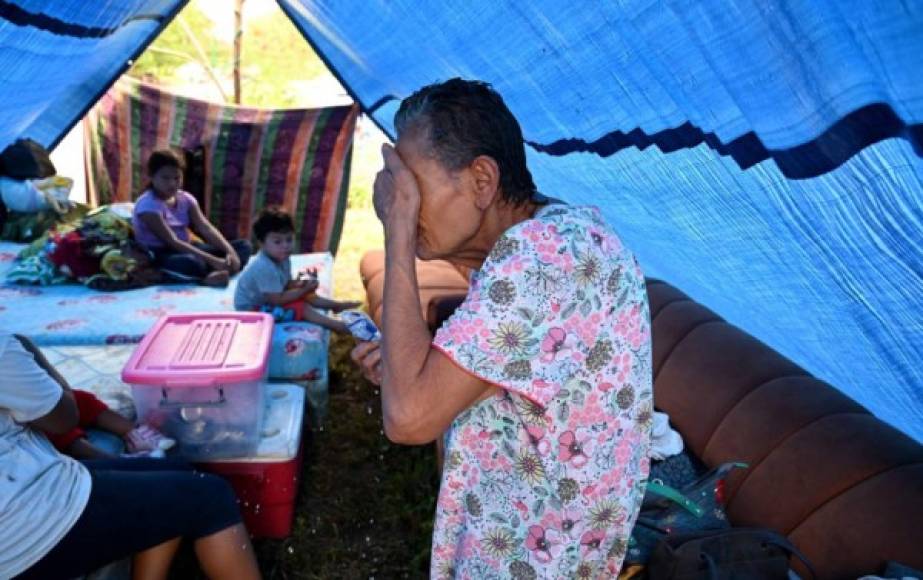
<point>60,518</point>
<point>162,219</point>
<point>541,381</point>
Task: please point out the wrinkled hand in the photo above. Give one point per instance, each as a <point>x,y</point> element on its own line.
<point>368,356</point>
<point>397,195</point>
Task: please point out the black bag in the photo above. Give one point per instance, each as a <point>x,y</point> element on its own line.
<point>26,159</point>
<point>697,507</point>
<point>731,554</point>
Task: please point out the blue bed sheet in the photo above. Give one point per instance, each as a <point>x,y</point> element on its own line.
<point>73,314</point>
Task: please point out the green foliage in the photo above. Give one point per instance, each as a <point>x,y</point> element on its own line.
<point>361,232</point>
<point>276,58</point>
<point>163,61</point>
<point>274,55</point>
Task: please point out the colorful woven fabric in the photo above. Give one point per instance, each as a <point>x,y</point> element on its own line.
<point>298,158</point>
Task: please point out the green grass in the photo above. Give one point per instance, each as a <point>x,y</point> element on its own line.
<point>365,507</point>
<point>361,232</point>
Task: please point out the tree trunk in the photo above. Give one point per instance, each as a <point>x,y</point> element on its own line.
<point>238,34</point>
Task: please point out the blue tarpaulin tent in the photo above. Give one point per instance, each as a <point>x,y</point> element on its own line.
<point>765,157</point>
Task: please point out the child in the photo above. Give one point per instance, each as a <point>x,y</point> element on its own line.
<point>93,413</point>
<point>266,283</point>
<point>162,218</point>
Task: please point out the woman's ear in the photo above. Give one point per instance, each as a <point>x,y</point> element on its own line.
<point>486,175</point>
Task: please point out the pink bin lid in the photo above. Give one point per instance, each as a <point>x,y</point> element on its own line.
<point>202,350</point>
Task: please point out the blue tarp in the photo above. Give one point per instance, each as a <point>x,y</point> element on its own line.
<point>57,57</point>
<point>762,156</point>
<point>765,157</point>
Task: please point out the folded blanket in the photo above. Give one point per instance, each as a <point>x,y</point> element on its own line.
<point>35,270</point>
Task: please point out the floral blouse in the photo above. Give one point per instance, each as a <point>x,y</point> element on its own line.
<point>546,479</point>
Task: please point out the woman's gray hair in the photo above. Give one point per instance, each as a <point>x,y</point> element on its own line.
<point>465,119</point>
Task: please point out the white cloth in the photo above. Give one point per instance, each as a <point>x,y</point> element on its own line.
<point>42,493</point>
<point>32,195</point>
<point>21,195</point>
<point>665,442</point>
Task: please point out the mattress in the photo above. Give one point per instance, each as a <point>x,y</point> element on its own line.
<point>74,315</point>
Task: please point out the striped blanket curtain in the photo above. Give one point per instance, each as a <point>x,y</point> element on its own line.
<point>297,158</point>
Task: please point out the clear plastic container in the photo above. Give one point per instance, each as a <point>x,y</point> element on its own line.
<point>200,379</point>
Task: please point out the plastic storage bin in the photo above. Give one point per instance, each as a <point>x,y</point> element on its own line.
<point>267,484</point>
<point>200,379</point>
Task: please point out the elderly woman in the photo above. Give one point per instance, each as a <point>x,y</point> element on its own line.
<point>541,380</point>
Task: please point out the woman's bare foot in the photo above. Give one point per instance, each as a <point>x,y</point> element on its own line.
<point>217,279</point>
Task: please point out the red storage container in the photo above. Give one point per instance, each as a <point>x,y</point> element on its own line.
<point>267,484</point>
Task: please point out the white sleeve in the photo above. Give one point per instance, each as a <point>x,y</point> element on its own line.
<point>26,390</point>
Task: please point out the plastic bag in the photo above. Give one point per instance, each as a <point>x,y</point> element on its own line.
<point>35,195</point>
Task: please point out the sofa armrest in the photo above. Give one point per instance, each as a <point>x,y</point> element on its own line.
<point>438,281</point>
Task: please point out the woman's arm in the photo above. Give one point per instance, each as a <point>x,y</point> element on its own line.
<point>61,419</point>
<point>211,235</point>
<point>63,416</point>
<point>154,222</point>
<point>422,390</point>
<point>41,361</point>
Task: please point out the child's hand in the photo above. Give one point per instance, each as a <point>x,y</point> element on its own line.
<point>233,263</point>
<point>217,263</point>
<point>311,284</point>
<point>341,306</point>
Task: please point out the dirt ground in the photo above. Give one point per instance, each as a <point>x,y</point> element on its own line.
<point>366,506</point>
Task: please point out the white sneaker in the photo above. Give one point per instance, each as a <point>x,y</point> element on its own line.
<point>146,438</point>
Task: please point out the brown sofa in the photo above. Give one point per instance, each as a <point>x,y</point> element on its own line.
<point>846,488</point>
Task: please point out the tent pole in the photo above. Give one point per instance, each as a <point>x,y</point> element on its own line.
<point>238,34</point>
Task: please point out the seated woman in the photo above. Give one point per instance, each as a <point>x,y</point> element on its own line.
<point>162,218</point>
<point>60,518</point>
<point>541,381</point>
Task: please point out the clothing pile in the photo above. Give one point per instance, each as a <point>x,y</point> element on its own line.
<point>95,249</point>
<point>29,226</point>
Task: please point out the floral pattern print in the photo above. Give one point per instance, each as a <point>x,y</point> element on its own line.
<point>546,479</point>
